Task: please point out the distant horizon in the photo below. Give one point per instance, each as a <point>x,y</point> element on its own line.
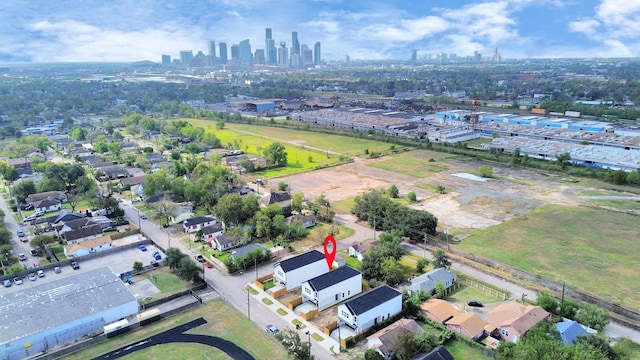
<point>121,30</point>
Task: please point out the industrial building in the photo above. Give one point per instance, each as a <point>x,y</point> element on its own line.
<point>42,317</point>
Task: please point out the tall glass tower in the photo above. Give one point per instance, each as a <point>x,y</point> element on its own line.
<point>223,53</point>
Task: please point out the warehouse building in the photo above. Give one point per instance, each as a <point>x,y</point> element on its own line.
<point>42,317</point>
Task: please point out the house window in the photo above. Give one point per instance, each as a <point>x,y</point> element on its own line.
<point>345,314</point>
<point>307,290</point>
<point>337,296</point>
<point>348,292</point>
<point>505,333</point>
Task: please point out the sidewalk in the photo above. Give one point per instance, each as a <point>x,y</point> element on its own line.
<point>328,343</point>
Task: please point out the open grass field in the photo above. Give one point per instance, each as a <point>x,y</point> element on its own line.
<point>460,350</point>
<point>594,250</point>
<point>164,280</point>
<point>222,321</point>
<point>466,293</point>
<point>420,164</point>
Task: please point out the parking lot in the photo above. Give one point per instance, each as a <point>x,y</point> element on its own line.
<point>118,262</point>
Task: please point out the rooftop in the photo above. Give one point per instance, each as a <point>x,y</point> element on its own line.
<point>300,260</point>
<point>60,302</point>
<point>372,298</point>
<point>333,277</point>
<point>198,220</point>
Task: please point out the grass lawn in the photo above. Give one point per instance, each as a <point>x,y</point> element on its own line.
<point>269,284</point>
<point>318,233</point>
<point>353,262</point>
<point>616,204</point>
<point>222,320</point>
<point>178,351</point>
<point>164,280</point>
<point>413,163</point>
<point>344,206</point>
<point>460,350</point>
<point>592,249</point>
<point>466,293</point>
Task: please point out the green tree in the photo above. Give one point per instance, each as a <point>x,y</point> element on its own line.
<point>411,196</point>
<point>282,186</point>
<point>393,191</point>
<point>275,154</point>
<point>515,157</point>
<point>593,316</point>
<point>421,264</point>
<point>563,159</point>
<point>188,270</point>
<point>372,354</point>
<point>24,189</point>
<point>298,349</point>
<point>546,302</point>
<point>137,266</point>
<point>441,190</point>
<point>485,171</point>
<point>40,242</point>
<point>439,289</point>
<point>229,209</point>
<point>440,259</point>
<point>78,133</point>
<point>173,257</point>
<point>391,271</point>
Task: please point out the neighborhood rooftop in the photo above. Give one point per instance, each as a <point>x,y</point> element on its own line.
<point>59,302</point>
<point>332,277</point>
<point>372,298</point>
<point>198,220</point>
<point>300,260</point>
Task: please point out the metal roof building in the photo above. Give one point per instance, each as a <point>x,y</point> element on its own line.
<point>39,318</point>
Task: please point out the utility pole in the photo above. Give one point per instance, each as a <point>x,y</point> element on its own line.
<point>446,232</point>
<point>255,265</point>
<point>248,307</point>
<point>424,248</point>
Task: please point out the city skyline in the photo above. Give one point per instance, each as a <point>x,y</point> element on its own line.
<point>126,30</point>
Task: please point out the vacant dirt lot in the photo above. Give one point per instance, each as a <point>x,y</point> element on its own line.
<point>467,204</point>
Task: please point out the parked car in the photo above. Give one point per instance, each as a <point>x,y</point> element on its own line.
<point>475,303</point>
<point>143,217</point>
<point>7,283</point>
<point>25,207</point>
<point>74,265</point>
<point>18,281</point>
<point>22,257</point>
<point>36,264</point>
<point>32,277</point>
<point>33,252</point>
<point>272,330</point>
<point>57,270</point>
<point>154,263</point>
<point>199,257</point>
<point>20,233</point>
<point>30,218</point>
<point>40,273</point>
<point>142,247</point>
<point>38,213</point>
<point>208,265</point>
<point>156,255</point>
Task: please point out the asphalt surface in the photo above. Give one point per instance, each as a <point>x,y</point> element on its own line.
<point>176,335</point>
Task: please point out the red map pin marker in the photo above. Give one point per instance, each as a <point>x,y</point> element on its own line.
<point>330,254</point>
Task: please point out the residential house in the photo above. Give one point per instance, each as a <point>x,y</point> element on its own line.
<point>76,235</point>
<point>155,159</point>
<point>358,249</point>
<point>34,198</point>
<point>196,223</point>
<point>469,325</point>
<point>129,146</point>
<point>570,330</point>
<point>437,353</point>
<point>111,172</point>
<point>280,197</point>
<point>384,341</point>
<point>427,281</point>
<point>182,216</point>
<point>223,242</point>
<point>131,181</point>
<point>438,310</point>
<point>66,215</point>
<point>37,156</point>
<point>89,246</point>
<point>19,163</point>
<point>135,171</point>
<point>333,287</point>
<point>306,220</point>
<point>514,319</point>
<point>66,226</point>
<point>370,308</point>
<point>47,205</point>
<point>211,232</point>
<point>243,251</point>
<point>293,271</point>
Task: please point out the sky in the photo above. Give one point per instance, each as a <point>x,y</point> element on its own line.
<point>134,30</point>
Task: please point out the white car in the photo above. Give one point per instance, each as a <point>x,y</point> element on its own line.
<point>40,273</point>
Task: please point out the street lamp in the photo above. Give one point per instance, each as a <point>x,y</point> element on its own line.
<point>309,334</point>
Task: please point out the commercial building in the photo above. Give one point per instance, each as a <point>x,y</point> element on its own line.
<point>39,318</point>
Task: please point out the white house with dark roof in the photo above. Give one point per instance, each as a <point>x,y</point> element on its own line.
<point>197,223</point>
<point>333,287</point>
<point>427,281</point>
<point>223,242</point>
<point>370,308</point>
<point>211,232</point>
<point>293,271</point>
<point>280,197</point>
<point>47,205</point>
